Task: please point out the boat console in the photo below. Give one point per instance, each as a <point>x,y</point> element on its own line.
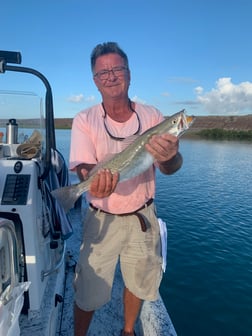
<point>32,242</point>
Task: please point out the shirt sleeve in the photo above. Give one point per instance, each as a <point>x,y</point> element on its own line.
<point>82,149</point>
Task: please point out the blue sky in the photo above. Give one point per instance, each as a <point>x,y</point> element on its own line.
<point>188,54</point>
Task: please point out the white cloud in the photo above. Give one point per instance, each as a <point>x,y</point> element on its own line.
<point>165,94</point>
<point>182,80</point>
<point>90,99</point>
<point>80,98</point>
<point>226,97</point>
<point>137,99</point>
<point>76,98</point>
<point>198,90</point>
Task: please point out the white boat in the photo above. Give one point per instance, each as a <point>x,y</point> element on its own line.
<point>38,249</point>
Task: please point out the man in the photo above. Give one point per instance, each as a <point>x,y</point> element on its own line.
<point>112,228</point>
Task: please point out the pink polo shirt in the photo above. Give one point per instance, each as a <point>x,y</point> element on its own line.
<point>90,143</point>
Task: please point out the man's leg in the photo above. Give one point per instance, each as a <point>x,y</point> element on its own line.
<point>132,305</point>
<point>82,321</point>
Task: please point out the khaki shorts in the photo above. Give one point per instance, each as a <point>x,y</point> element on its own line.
<point>107,238</point>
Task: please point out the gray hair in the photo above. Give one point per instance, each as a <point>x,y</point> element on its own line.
<point>107,48</point>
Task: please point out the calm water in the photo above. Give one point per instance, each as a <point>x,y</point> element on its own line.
<point>207,205</point>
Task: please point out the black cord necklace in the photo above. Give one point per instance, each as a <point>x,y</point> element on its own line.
<point>113,136</point>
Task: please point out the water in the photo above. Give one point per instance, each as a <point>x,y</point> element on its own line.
<point>207,287</point>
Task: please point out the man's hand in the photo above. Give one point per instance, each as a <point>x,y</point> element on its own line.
<point>164,149</point>
<point>103,183</point>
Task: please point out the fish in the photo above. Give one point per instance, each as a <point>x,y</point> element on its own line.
<point>130,162</point>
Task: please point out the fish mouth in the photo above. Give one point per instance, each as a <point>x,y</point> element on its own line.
<point>184,123</point>
<point>190,120</point>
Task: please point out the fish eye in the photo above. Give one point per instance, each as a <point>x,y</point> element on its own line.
<point>174,121</point>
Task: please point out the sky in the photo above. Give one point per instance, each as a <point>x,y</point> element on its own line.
<point>183,54</point>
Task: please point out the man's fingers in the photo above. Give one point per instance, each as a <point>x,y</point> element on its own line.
<point>163,147</point>
<point>115,179</point>
<point>103,183</point>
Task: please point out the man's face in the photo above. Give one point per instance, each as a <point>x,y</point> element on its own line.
<point>111,76</point>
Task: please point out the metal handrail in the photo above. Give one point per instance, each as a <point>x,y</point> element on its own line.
<point>55,267</point>
<point>9,228</point>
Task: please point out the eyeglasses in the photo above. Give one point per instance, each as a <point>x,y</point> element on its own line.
<point>104,74</point>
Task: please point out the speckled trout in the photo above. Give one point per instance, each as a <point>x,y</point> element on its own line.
<point>130,162</point>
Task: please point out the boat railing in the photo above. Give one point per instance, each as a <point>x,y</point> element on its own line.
<point>9,257</point>
<point>56,266</point>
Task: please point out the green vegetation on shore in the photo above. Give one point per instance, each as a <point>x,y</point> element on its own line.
<point>221,134</point>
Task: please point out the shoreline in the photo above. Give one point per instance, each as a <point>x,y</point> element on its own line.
<point>234,123</point>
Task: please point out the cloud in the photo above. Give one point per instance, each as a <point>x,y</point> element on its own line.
<point>190,103</point>
<point>199,90</point>
<point>226,97</point>
<point>90,99</point>
<point>76,98</point>
<point>80,98</point>
<point>182,80</point>
<point>137,99</point>
<point>165,94</point>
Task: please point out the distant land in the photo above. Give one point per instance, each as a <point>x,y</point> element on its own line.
<point>235,123</point>
<point>63,123</point>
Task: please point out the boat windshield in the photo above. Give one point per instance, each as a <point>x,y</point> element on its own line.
<point>25,112</point>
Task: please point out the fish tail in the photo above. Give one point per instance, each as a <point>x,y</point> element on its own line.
<point>67,196</point>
